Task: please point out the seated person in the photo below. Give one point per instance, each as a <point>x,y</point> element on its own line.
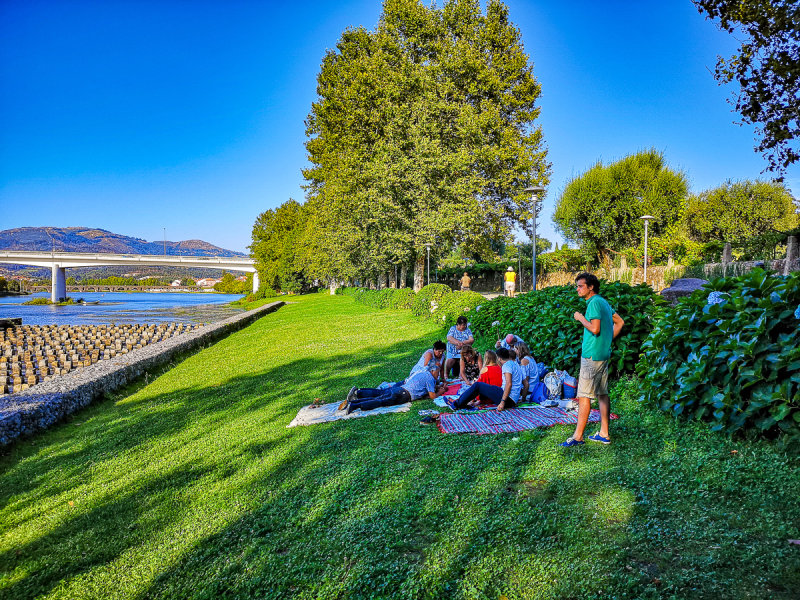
<point>491,373</point>
<point>458,337</point>
<point>508,396</point>
<point>470,364</point>
<point>509,342</point>
<point>431,356</point>
<point>527,363</point>
<point>419,385</point>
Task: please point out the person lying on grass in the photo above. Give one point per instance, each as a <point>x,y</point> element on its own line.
<point>514,385</point>
<point>470,365</point>
<point>432,356</point>
<point>419,385</point>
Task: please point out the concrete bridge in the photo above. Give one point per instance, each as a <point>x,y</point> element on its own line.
<point>60,261</point>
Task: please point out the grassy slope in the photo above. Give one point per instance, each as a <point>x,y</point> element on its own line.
<point>192,487</point>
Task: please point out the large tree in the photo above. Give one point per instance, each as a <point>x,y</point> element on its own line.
<point>278,247</point>
<point>601,209</point>
<point>767,68</point>
<point>423,132</point>
<point>736,211</point>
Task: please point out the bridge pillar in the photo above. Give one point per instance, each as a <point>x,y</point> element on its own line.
<point>255,282</point>
<point>58,283</point>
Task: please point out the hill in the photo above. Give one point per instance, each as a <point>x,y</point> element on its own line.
<point>87,239</point>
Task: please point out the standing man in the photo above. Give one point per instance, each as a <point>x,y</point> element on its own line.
<point>465,281</point>
<point>511,282</point>
<point>600,325</point>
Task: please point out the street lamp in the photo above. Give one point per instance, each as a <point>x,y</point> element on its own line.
<point>534,191</point>
<point>646,219</point>
<point>428,246</point>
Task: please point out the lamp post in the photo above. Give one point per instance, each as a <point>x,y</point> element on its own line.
<point>428,246</point>
<point>646,219</point>
<point>534,190</point>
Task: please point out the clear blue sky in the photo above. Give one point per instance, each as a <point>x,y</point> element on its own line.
<point>139,115</point>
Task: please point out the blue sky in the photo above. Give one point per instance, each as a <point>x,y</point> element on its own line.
<point>140,115</point>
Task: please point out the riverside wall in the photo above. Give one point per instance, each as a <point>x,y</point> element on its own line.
<point>49,402</point>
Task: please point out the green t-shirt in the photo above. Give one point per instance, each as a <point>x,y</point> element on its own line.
<point>598,347</point>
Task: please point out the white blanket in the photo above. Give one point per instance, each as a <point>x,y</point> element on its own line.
<point>329,412</point>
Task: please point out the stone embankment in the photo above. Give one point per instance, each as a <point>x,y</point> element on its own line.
<point>31,354</point>
<point>46,403</point>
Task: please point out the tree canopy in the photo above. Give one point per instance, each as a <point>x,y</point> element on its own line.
<point>423,132</point>
<point>600,210</point>
<point>735,211</point>
<point>767,69</point>
<point>277,245</point>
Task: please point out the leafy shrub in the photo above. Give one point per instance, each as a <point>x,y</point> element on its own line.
<point>544,319</point>
<point>734,361</point>
<point>433,292</point>
<point>263,292</point>
<point>402,298</point>
<point>453,305</point>
<point>37,301</point>
<point>385,298</point>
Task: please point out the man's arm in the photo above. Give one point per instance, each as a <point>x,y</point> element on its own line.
<point>593,325</point>
<point>618,324</point>
<point>439,391</point>
<point>506,391</point>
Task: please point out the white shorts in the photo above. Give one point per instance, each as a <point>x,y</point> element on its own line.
<point>510,285</point>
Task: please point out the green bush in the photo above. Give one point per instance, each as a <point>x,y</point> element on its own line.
<point>37,302</point>
<point>263,292</point>
<point>385,298</point>
<point>453,305</point>
<point>433,292</point>
<point>402,298</point>
<point>544,319</point>
<point>731,358</point>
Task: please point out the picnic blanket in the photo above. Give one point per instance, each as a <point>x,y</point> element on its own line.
<point>511,420</point>
<point>330,412</point>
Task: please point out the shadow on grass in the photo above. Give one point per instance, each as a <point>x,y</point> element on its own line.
<point>202,492</point>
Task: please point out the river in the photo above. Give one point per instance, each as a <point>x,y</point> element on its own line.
<point>123,307</point>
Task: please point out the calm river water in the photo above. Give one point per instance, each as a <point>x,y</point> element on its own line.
<point>121,307</point>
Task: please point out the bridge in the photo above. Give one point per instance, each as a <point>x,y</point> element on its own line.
<point>60,261</point>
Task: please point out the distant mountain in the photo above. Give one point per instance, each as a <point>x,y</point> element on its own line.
<point>86,239</point>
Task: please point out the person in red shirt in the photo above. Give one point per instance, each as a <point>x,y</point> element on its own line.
<point>491,373</point>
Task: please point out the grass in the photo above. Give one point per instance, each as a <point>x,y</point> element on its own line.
<point>189,485</point>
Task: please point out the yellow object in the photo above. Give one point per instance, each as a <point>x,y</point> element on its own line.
<point>511,277</point>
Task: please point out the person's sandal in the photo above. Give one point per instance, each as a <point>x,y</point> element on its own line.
<point>572,442</point>
<point>599,438</point>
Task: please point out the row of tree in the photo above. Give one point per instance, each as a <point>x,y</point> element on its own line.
<point>424,132</point>
<point>601,210</point>
<point>423,139</point>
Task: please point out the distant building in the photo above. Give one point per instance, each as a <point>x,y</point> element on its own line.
<point>176,283</point>
<point>207,282</point>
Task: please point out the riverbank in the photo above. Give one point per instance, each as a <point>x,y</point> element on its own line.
<point>33,410</point>
<point>190,485</point>
<point>114,308</point>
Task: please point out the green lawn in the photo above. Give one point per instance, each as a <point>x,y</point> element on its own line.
<point>191,486</point>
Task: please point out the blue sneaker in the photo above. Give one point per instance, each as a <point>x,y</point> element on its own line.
<point>572,442</point>
<point>599,438</point>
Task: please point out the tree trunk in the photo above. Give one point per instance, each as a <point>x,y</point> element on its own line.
<point>403,275</point>
<point>419,272</point>
<point>393,278</point>
<point>382,280</point>
<point>333,284</point>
